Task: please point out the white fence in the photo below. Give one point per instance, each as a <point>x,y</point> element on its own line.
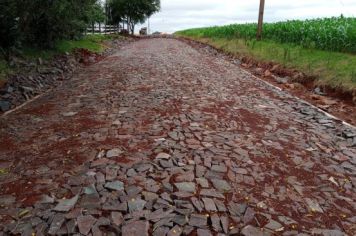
<point>103,29</point>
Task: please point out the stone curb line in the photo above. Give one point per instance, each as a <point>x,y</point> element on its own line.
<point>302,101</point>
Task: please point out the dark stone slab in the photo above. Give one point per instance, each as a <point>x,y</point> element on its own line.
<point>137,228</point>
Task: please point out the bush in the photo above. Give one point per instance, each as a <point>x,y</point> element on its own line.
<point>53,20</point>
<point>41,23</point>
<point>9,30</point>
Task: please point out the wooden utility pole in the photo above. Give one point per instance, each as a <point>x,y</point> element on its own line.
<point>149,27</point>
<point>260,19</point>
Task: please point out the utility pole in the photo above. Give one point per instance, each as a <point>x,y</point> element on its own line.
<point>149,27</point>
<point>260,19</point>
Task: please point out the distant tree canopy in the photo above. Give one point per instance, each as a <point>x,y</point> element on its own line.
<point>131,12</point>
<point>97,14</point>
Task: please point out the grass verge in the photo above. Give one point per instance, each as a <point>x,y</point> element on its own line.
<point>334,69</point>
<point>93,43</point>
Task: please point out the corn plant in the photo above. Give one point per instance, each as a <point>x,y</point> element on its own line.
<point>332,34</point>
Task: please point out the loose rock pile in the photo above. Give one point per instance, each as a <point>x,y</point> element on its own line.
<point>37,77</point>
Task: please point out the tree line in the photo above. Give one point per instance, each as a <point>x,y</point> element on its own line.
<point>131,12</point>
<point>41,23</point>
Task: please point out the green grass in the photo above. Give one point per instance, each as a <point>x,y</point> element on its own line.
<point>91,42</point>
<point>334,69</point>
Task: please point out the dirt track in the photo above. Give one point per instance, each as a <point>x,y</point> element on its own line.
<point>161,138</point>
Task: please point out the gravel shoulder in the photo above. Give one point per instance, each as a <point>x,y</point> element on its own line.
<point>163,139</point>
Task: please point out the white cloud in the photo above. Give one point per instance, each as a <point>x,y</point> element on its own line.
<point>182,14</point>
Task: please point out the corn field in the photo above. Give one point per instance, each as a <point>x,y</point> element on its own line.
<point>332,34</point>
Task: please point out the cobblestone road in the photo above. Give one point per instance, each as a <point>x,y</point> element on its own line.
<point>164,139</point>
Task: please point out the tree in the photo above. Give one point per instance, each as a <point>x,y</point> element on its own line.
<point>115,11</point>
<point>39,23</point>
<point>9,30</point>
<point>45,22</point>
<point>96,14</point>
<point>132,12</point>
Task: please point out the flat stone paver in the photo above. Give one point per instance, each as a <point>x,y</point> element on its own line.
<point>162,138</point>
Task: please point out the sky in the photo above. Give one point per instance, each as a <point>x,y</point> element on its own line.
<point>183,14</point>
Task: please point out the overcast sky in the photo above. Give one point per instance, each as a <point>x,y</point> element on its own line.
<point>182,14</point>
